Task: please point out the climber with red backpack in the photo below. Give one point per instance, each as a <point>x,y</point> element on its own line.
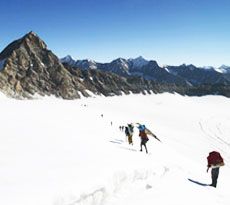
<point>215,161</point>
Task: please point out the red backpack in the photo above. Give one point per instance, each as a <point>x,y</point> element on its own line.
<point>214,158</point>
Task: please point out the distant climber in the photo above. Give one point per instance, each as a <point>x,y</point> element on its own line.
<point>129,133</point>
<point>215,161</point>
<point>121,128</point>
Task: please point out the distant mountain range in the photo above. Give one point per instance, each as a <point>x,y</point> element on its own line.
<point>150,70</point>
<point>28,67</point>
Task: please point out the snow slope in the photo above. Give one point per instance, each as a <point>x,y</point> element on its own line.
<point>58,152</point>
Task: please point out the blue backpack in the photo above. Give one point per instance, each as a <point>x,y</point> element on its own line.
<point>141,127</point>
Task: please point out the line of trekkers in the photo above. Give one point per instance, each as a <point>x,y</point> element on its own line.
<point>143,134</point>
<point>215,160</point>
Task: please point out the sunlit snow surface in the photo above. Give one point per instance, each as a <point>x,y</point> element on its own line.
<point>59,152</point>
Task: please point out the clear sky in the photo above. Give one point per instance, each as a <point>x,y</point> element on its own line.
<point>168,31</point>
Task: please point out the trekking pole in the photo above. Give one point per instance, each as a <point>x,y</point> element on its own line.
<point>156,137</point>
<point>153,135</point>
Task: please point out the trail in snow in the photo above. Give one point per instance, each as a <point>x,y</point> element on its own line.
<point>217,134</point>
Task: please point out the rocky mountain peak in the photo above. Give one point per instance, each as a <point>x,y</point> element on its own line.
<point>138,62</point>
<point>68,60</point>
<point>34,39</point>
<point>28,67</point>
<point>30,41</point>
<point>31,33</point>
<point>153,63</point>
<point>223,69</point>
<point>119,60</point>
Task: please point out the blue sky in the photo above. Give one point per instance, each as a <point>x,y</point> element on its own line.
<point>168,31</point>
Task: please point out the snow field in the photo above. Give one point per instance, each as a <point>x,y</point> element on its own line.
<point>58,152</point>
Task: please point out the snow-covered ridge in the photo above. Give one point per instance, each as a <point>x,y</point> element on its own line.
<point>138,62</point>
<point>223,69</point>
<point>150,70</point>
<point>86,63</point>
<point>68,59</point>
<point>122,62</point>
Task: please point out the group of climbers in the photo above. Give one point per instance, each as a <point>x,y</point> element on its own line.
<point>215,160</point>
<point>143,134</point>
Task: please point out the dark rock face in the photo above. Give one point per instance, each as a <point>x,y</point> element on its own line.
<point>119,66</point>
<point>109,84</point>
<point>198,76</point>
<point>31,68</point>
<point>152,71</point>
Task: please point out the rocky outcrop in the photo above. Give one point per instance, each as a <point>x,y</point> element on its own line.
<point>198,76</point>
<point>109,84</point>
<point>30,68</point>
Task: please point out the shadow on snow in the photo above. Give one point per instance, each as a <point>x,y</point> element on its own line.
<point>199,183</point>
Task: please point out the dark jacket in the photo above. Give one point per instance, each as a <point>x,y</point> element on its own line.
<point>143,135</point>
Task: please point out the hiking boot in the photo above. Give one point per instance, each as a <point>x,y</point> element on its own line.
<point>213,185</point>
